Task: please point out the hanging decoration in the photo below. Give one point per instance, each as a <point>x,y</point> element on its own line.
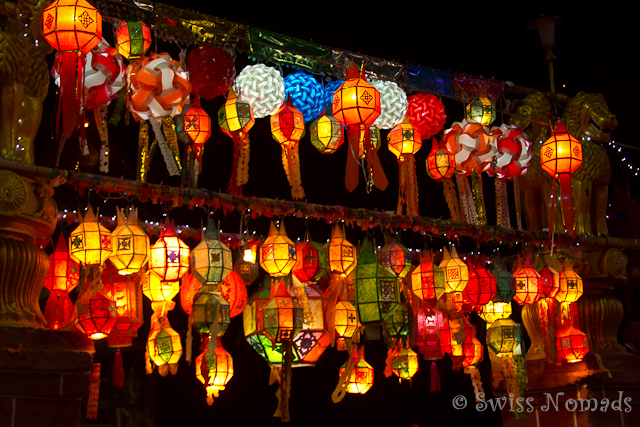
<point>481,110</point>
<point>282,316</point>
<point>427,280</point>
<point>360,380</point>
<point>345,322</point>
<point>311,262</point>
<point>164,348</point>
<point>456,274</point>
<point>528,286</point>
<point>97,314</point>
<point>90,242</point>
<point>287,127</point>
<point>313,339</point>
<point>234,290</point>
<point>550,280</point>
<point>278,253</point>
<point>396,325</point>
<point>405,141</point>
<point>262,87</point>
<point>326,133</point>
<point>356,104</point>
<point>169,255</point>
<point>441,165</point>
<point>306,94</point>
<point>404,363</point>
<point>571,287</point>
<point>235,118</point>
<point>428,322</point>
<point>211,71</point>
<point>129,242</point>
<point>426,113</point>
<point>481,288</point>
<point>503,337</point>
<point>505,283</point>
<point>493,311</point>
<point>393,104</point>
<point>133,39</point>
<point>62,278</point>
<point>211,260</point>
<point>395,257</point>
<point>572,344</point>
<point>561,156</point>
<point>193,127</point>
<point>189,287</point>
<point>214,371</point>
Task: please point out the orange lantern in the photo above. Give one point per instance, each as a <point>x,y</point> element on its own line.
<point>127,293</point>
<point>561,156</point>
<point>62,278</point>
<point>90,242</point>
<point>277,253</point>
<point>456,272</point>
<point>528,286</point>
<point>404,363</point>
<point>473,351</point>
<point>571,286</point>
<point>282,317</point>
<point>342,253</point>
<point>73,27</point>
<point>133,39</point>
<point>214,372</point>
<point>130,243</point>
<point>405,141</point>
<point>346,319</point>
<point>356,104</point>
<point>164,348</point>
<point>287,127</point>
<point>572,344</point>
<point>441,164</point>
<point>189,287</point>
<point>169,255</point>
<point>234,290</point>
<point>361,378</point>
<point>193,126</point>
<point>395,257</point>
<point>97,315</point>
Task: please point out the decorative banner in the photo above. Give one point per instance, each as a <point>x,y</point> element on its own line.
<point>377,68</point>
<point>430,80</point>
<point>468,87</point>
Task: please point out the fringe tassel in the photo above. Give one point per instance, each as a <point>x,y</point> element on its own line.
<point>476,381</point>
<point>388,362</point>
<point>341,388</point>
<point>167,154</point>
<point>100,116</point>
<point>143,151</point>
<point>450,195</point>
<point>478,198</point>
<point>435,377</point>
<point>502,203</point>
<point>94,393</point>
<point>408,183</point>
<point>117,377</point>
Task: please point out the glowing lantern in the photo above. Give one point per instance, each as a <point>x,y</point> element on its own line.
<point>356,104</point>
<point>404,141</point>
<point>550,280</point>
<point>572,345</point>
<point>189,287</point>
<point>62,278</point>
<point>571,286</point>
<point>361,378</point>
<point>481,287</point>
<point>377,293</point>
<point>313,339</point>
<point>505,283</point>
<point>342,253</point>
<point>309,346</point>
<point>427,280</point>
<point>287,127</point>
<point>561,156</point>
<point>404,363</point>
<point>214,372</point>
<point>234,290</point>
<point>311,262</point>
<point>452,335</point>
<point>428,323</point>
<point>158,290</point>
<point>193,126</point>
<point>426,112</point>
<point>127,293</point>
<point>481,110</point>
<point>441,164</point>
<point>393,103</point>
<point>395,257</point>
<point>90,242</point>
<point>72,27</point>
<point>211,260</point>
<point>282,316</point>
<point>277,253</point>
<point>133,39</point>
<point>396,323</point>
<point>503,337</point>
<point>492,311</point>
<point>130,244</point>
<point>528,288</point>
<point>235,118</point>
<point>169,255</point>
<point>211,314</point>
<point>97,315</point>
<point>473,351</point>
<point>456,272</point>
<point>326,134</point>
<point>164,348</point>
<point>346,319</point>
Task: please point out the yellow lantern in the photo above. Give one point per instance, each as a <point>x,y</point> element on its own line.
<point>346,319</point>
<point>456,272</point>
<point>214,372</point>
<point>404,363</point>
<point>211,260</point>
<point>169,255</point>
<point>90,242</point>
<point>164,348</point>
<point>158,290</point>
<point>361,378</point>
<point>327,134</point>
<point>130,243</point>
<point>481,110</point>
<point>342,253</point>
<point>493,311</point>
<point>277,253</point>
<point>282,317</point>
<point>571,287</point>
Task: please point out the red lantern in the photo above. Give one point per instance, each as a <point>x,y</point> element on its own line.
<point>395,257</point>
<point>214,371</point>
<point>234,290</point>
<point>441,164</point>
<point>127,293</point>
<point>61,279</point>
<point>97,315</point>
<point>426,112</point>
<point>73,27</point>
<point>311,262</point>
<point>550,282</point>
<point>195,123</point>
<point>211,71</point>
<point>473,351</point>
<point>482,284</point>
<point>428,323</point>
<point>528,283</point>
<point>572,345</point>
<point>287,127</point>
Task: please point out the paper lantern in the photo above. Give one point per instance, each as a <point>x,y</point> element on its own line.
<point>211,260</point>
<point>158,290</point>
<point>513,152</point>
<point>473,352</point>
<point>277,253</point>
<point>481,288</point>
<point>214,371</point>
<point>395,257</point>
<point>396,323</point>
<point>262,87</point>
<point>127,293</point>
<point>62,278</point>
<point>309,346</point>
<point>194,126</point>
<point>471,145</point>
<point>287,127</point>
<point>330,90</point>
<point>404,141</point>
<point>306,94</point>
<point>550,282</point>
<point>427,279</point>
<point>272,354</point>
<point>327,134</point>
<point>503,337</point>
<point>505,283</point>
<point>481,110</point>
<point>441,164</point>
<point>427,325</point>
<point>313,339</point>
<point>493,311</point>
<point>164,348</point>
<point>452,336</point>
<point>561,156</point>
<point>133,39</point>
<point>393,103</point>
<point>97,315</point>
<point>211,314</point>
<point>377,293</point>
<point>189,287</point>
<point>572,345</point>
<point>72,27</point>
<point>234,290</point>
<point>404,363</point>
<point>361,379</point>
<point>130,243</point>
<point>426,113</point>
<point>282,316</point>
<point>346,319</point>
<point>311,262</point>
<point>90,242</point>
<point>169,255</point>
<point>456,272</point>
<point>528,286</point>
<point>211,71</point>
<point>571,286</point>
<point>342,253</point>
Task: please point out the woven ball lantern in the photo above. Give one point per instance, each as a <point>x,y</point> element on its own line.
<point>481,288</point>
<point>326,133</point>
<point>211,260</point>
<point>404,363</point>
<point>127,293</point>
<point>441,164</point>
<point>426,112</point>
<point>90,242</point>
<point>456,272</point>
<point>571,286</point>
<point>493,311</point>
<point>130,243</point>
<point>311,262</point>
<point>262,87</point>
<point>214,371</point>
<point>342,253</point>
<point>503,337</point>
<point>481,110</point>
<point>234,290</point>
<point>211,70</point>
<point>306,94</point>
<point>393,103</point>
<point>361,379</point>
<point>133,39</point>
<point>97,315</point>
<point>164,348</point>
<point>395,257</point>
<point>62,278</point>
<point>572,345</point>
<point>282,316</point>
<point>169,255</point>
<point>528,283</point>
<point>278,253</point>
<point>427,280</point>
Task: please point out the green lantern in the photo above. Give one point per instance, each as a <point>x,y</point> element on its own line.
<point>327,134</point>
<point>377,293</point>
<point>211,260</point>
<point>503,337</point>
<point>211,313</point>
<point>396,323</point>
<point>404,363</point>
<point>273,354</point>
<point>481,110</point>
<point>505,283</point>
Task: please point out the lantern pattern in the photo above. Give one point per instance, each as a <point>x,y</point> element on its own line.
<point>427,325</point>
<point>90,242</point>
<point>550,281</point>
<point>572,345</point>
<point>326,133</point>
<point>282,316</point>
<point>571,286</point>
<point>361,379</point>
<point>277,253</point>
<point>214,371</point>
<point>342,253</point>
<point>306,94</point>
<point>169,255</point>
<point>404,363</point>
<point>441,164</point>
<point>211,313</point>
<point>481,110</point>
<point>426,113</point>
<point>356,104</point>
<point>97,314</point>
<point>395,257</point>
<point>528,286</point>
<point>311,262</point>
<point>481,288</point>
<point>346,319</point>
<point>427,279</point>
<point>262,87</point>
<point>456,272</point>
<point>211,260</point>
<point>133,39</point>
<point>393,103</point>
<point>561,156</point>
<point>62,278</point>
<point>211,71</point>
<point>503,337</point>
<point>127,293</point>
<point>193,127</point>
<point>313,339</point>
<point>234,290</point>
<point>287,127</point>
<point>164,348</point>
<point>158,290</point>
<point>130,243</point>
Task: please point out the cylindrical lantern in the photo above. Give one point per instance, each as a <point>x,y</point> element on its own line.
<point>277,253</point>
<point>503,337</point>
<point>505,283</point>
<point>342,253</point>
<point>493,311</point>
<point>158,290</point>
<point>572,345</point>
<point>169,255</point>
<point>130,243</point>
<point>90,242</point>
<point>211,260</point>
<point>550,280</point>
<point>481,110</point>
<point>164,348</point>
<point>346,319</point>
<point>211,314</point>
<point>528,289</point>
<point>427,326</point>
<point>327,134</point>
<point>396,323</point>
<point>62,278</point>
<point>404,141</point>
<point>133,39</point>
<point>427,280</point>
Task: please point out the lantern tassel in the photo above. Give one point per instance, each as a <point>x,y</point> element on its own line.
<point>94,393</point>
<point>71,68</point>
<point>435,377</point>
<point>291,162</point>
<point>100,116</point>
<point>351,173</point>
<point>189,340</point>
<point>167,154</point>
<point>450,195</point>
<point>284,391</point>
<point>388,362</point>
<point>567,203</point>
<point>502,204</point>
<point>408,191</point>
<point>478,197</point>
<point>341,388</point>
<point>117,377</point>
<point>143,151</point>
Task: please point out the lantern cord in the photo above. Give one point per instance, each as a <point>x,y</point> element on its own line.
<point>516,191</point>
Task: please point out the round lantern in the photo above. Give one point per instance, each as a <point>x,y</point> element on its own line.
<point>492,311</point>
<point>427,280</point>
<point>194,125</point>
<point>572,345</point>
<point>393,103</point>
<point>481,110</point>
<point>456,272</point>
<point>361,379</point>
<point>426,113</point>
<point>327,134</point>
<point>441,164</point>
<point>133,39</point>
<point>404,363</point>
<point>127,293</point>
<point>395,257</point>
<point>330,90</point>
<point>211,71</point>
<point>262,87</point>
<point>97,315</point>
<point>214,371</point>
<point>481,287</point>
<point>571,286</point>
<point>528,288</point>
<point>503,337</point>
<point>130,244</point>
<point>169,256</point>
<point>513,152</point>
<point>189,287</point>
<point>90,242</point>
<point>342,253</point>
<point>306,94</point>
<point>211,260</point>
<point>277,254</point>
<point>234,290</point>
<point>165,349</point>
<point>282,316</point>
<point>311,262</point>
<point>158,290</point>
